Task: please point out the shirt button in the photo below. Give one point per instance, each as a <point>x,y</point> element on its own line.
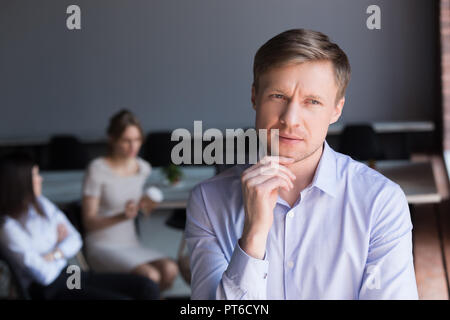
<point>291,214</point>
<point>290,264</point>
<point>265,275</point>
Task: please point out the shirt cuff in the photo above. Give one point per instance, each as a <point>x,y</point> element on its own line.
<point>246,271</point>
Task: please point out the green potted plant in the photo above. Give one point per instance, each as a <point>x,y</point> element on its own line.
<point>173,173</point>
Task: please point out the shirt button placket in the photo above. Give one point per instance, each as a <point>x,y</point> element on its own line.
<point>289,264</point>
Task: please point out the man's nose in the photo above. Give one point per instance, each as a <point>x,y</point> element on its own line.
<point>291,115</point>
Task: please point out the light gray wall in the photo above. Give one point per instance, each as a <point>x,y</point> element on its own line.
<point>175,61</point>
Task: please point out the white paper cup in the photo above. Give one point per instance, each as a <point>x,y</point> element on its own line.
<point>154,194</point>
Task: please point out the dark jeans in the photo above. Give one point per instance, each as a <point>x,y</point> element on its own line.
<point>98,286</point>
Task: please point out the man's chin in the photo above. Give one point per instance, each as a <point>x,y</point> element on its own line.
<point>290,152</point>
<point>297,155</point>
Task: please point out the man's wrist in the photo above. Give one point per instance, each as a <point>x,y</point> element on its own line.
<point>254,245</point>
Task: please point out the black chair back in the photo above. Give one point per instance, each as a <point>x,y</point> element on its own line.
<point>177,219</point>
<point>157,148</point>
<point>17,281</point>
<point>73,212</point>
<point>66,152</point>
<point>361,143</point>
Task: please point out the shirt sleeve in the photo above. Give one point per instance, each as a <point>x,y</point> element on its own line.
<point>389,271</point>
<point>245,277</point>
<point>72,243</point>
<point>18,247</point>
<point>92,184</point>
<point>212,276</point>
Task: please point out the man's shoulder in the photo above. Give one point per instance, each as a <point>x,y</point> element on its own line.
<point>362,179</point>
<point>347,166</point>
<point>370,194</point>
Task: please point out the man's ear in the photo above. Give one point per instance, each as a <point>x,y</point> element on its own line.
<point>253,99</point>
<point>338,110</point>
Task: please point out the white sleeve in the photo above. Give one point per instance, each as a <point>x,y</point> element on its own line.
<point>72,243</point>
<point>17,244</point>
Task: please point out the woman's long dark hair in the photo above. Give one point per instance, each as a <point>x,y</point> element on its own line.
<point>16,186</point>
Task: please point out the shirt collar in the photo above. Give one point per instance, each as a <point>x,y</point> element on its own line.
<point>325,177</point>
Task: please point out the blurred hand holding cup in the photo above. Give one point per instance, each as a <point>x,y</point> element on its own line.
<point>150,199</point>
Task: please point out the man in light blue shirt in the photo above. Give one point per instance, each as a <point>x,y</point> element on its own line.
<point>307,222</point>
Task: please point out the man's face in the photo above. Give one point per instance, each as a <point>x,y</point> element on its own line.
<point>299,101</point>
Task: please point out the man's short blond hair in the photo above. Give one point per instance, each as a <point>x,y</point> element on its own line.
<point>298,46</point>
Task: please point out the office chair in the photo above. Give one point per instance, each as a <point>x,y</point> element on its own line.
<point>19,286</point>
<point>66,152</point>
<point>157,148</point>
<point>73,213</point>
<point>361,143</point>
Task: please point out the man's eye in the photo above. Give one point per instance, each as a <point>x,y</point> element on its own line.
<point>277,96</point>
<point>312,101</point>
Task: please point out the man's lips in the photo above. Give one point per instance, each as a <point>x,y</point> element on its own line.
<point>289,138</point>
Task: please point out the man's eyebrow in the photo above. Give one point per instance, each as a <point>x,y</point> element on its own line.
<point>310,96</point>
<point>313,96</point>
<point>276,89</point>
